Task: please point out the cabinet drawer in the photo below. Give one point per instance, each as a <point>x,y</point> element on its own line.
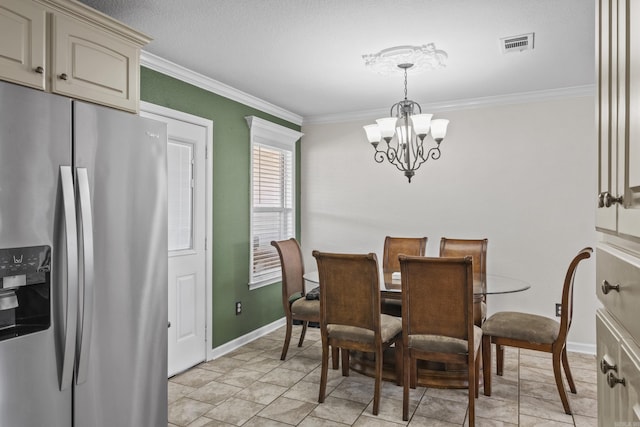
<point>608,353</point>
<point>619,272</point>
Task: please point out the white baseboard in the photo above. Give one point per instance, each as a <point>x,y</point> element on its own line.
<point>240,341</point>
<point>228,347</point>
<point>578,347</point>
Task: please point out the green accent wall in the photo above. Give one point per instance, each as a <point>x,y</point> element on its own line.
<point>231,198</point>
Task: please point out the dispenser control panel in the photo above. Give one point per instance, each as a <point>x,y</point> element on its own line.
<point>24,266</point>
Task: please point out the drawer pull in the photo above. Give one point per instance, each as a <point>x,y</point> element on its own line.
<point>608,287</point>
<point>605,367</point>
<point>606,200</point>
<point>612,380</point>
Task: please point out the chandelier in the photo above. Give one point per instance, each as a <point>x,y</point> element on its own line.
<point>404,133</point>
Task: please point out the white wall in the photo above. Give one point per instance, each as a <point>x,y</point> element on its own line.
<point>523,176</point>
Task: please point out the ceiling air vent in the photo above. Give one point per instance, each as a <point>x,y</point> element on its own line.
<point>517,43</point>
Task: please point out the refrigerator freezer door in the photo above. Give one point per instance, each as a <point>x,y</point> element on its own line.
<point>35,139</point>
<point>125,158</point>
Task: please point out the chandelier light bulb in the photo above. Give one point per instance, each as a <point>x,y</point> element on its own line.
<point>403,133</point>
<point>421,124</point>
<point>387,126</point>
<point>439,129</point>
<point>373,133</point>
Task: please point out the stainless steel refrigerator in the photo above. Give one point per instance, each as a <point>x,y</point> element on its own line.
<point>83,264</point>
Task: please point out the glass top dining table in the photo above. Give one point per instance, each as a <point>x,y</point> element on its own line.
<point>428,375</point>
<point>392,287</point>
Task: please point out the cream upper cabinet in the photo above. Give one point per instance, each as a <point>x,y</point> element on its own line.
<point>22,42</point>
<point>618,102</point>
<point>67,48</point>
<point>629,151</point>
<point>93,65</point>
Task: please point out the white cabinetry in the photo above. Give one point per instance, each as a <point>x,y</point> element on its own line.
<point>618,53</point>
<point>67,48</point>
<point>22,42</point>
<point>618,212</point>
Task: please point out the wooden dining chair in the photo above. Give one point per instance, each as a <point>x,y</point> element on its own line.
<point>394,246</point>
<point>534,332</point>
<point>350,317</point>
<point>437,319</point>
<point>294,303</point>
<point>477,250</point>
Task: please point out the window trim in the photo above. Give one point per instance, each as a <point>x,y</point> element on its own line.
<point>266,133</point>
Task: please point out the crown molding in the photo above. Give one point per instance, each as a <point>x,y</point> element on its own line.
<point>462,104</point>
<point>179,72</point>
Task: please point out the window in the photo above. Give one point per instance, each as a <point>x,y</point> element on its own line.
<point>273,215</point>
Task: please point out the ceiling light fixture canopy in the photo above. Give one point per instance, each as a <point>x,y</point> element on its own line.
<point>425,57</point>
<point>404,133</point>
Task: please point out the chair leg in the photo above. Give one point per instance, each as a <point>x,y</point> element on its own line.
<point>406,372</point>
<point>398,353</point>
<point>303,333</point>
<point>486,364</point>
<point>323,372</point>
<point>472,393</point>
<point>499,359</point>
<point>378,381</point>
<point>287,338</point>
<point>557,373</point>
<point>413,370</point>
<point>335,357</point>
<point>345,362</point>
<point>567,371</point>
<point>477,368</point>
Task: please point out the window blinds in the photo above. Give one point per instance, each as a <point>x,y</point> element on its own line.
<point>272,210</point>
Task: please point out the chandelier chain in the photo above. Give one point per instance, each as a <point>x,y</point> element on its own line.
<point>405,84</point>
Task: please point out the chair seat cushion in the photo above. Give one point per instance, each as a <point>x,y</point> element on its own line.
<point>522,326</point>
<point>440,344</point>
<point>390,327</point>
<point>305,308</point>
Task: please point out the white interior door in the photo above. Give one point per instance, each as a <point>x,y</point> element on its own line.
<point>187,179</point>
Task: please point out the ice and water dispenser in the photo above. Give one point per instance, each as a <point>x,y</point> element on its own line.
<point>25,291</point>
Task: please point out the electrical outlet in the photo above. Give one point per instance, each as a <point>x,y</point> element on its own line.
<point>238,307</point>
<point>558,310</point>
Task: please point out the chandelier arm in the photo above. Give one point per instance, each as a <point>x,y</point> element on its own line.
<point>433,153</point>
<point>417,159</point>
<point>390,154</point>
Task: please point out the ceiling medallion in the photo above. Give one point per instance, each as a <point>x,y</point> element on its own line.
<point>425,57</point>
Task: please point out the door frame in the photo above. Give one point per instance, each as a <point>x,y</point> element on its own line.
<point>146,107</point>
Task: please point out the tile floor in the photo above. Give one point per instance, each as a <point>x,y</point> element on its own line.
<point>253,387</point>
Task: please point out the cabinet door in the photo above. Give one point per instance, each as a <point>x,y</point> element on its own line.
<point>629,146</point>
<point>606,111</point>
<point>630,371</point>
<point>92,65</point>
<point>22,42</point>
<point>608,352</point>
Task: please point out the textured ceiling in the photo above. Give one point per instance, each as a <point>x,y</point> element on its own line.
<point>306,55</point>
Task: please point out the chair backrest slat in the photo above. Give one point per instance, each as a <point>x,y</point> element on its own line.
<point>394,246</point>
<point>476,248</point>
<point>349,289</point>
<point>566,314</point>
<point>292,266</point>
<point>437,296</point>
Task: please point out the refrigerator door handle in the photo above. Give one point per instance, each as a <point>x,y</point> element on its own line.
<point>87,268</point>
<point>71,315</point>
